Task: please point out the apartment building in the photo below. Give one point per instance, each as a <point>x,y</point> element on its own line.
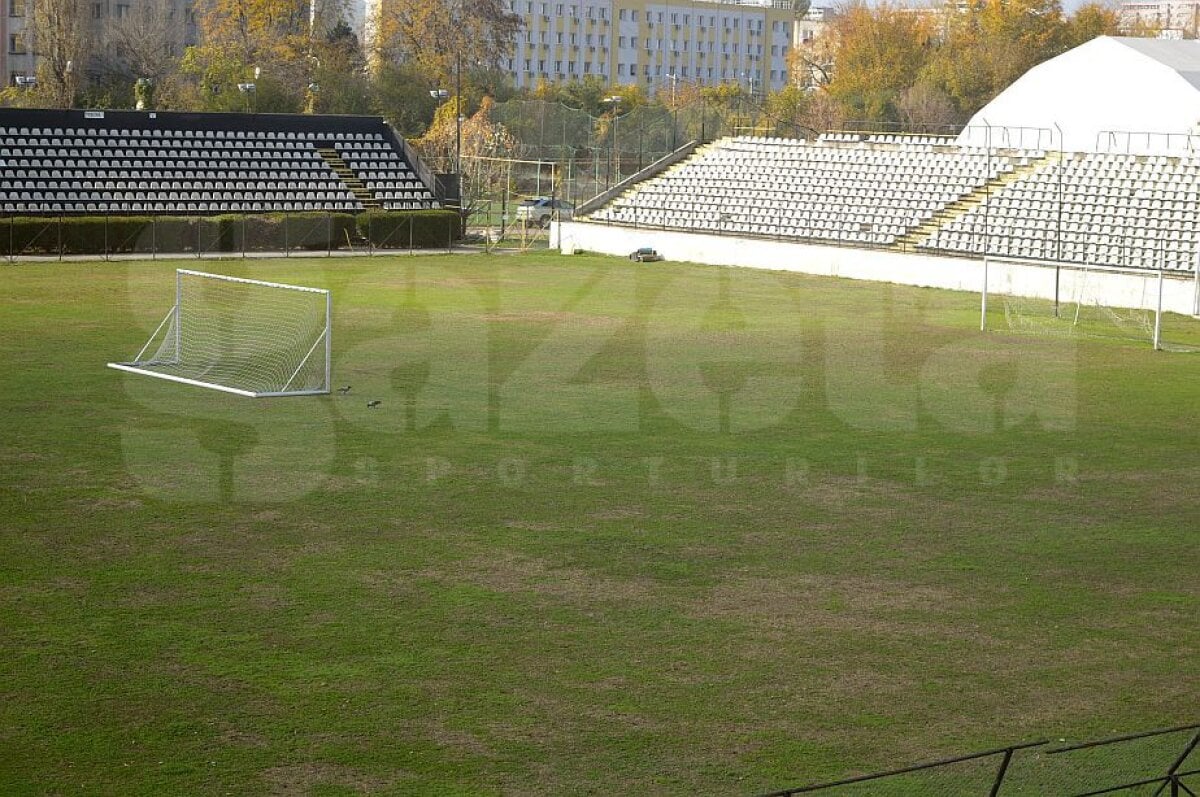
<point>18,57</point>
<point>1174,18</point>
<point>654,43</point>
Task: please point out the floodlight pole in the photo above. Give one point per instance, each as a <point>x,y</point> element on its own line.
<point>613,101</point>
<point>458,109</point>
<point>674,112</point>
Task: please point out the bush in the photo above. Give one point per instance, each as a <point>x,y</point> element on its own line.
<point>419,229</point>
<point>96,235</point>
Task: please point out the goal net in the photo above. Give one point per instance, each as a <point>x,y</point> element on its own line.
<point>241,336</point>
<point>1091,302</point>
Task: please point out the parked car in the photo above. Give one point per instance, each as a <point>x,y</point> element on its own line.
<point>645,255</point>
<point>540,211</point>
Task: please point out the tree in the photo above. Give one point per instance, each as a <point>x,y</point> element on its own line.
<point>485,142</point>
<point>991,44</point>
<point>401,95</point>
<point>878,55</point>
<point>339,74</point>
<point>724,106</point>
<point>60,39</point>
<point>442,39</point>
<point>1092,20</point>
<point>810,64</point>
<point>142,45</point>
<point>924,108</point>
<point>240,37</point>
<point>789,110</point>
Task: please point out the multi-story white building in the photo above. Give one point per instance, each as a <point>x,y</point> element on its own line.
<point>654,43</point>
<point>1179,18</point>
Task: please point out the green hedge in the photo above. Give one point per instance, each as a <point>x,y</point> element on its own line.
<point>420,229</point>
<point>93,235</point>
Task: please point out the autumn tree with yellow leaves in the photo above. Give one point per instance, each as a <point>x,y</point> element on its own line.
<point>443,39</point>
<point>264,42</point>
<point>932,69</point>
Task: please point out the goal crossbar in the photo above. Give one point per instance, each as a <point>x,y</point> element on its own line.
<point>241,336</point>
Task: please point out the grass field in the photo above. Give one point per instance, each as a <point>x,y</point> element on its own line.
<point>614,528</point>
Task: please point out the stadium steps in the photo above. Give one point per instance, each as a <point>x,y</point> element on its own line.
<point>697,154</point>
<point>349,178</point>
<point>965,204</point>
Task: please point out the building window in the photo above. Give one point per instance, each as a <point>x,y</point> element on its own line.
<point>16,8</point>
<point>16,43</point>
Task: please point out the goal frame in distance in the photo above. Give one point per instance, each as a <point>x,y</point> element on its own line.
<point>171,321</point>
<point>1154,307</point>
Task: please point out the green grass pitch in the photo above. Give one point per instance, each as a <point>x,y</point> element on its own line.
<point>614,528</point>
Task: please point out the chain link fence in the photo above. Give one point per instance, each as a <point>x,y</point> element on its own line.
<point>567,156</point>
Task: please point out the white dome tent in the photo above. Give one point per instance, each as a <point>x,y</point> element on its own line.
<point>1109,95</point>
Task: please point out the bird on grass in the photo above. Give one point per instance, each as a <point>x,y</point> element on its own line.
<point>373,404</point>
<point>344,390</point>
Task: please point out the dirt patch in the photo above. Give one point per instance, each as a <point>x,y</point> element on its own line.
<point>553,317</point>
<point>116,504</point>
<point>236,737</point>
<point>512,573</point>
<point>13,455</point>
<point>266,597</point>
<point>524,525</point>
<point>456,740</point>
<point>465,282</point>
<point>300,779</point>
<point>827,603</point>
<point>617,513</point>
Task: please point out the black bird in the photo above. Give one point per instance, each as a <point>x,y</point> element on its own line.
<point>373,404</point>
<point>344,390</point>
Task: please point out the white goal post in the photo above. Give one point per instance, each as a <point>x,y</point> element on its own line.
<point>1043,297</point>
<point>241,336</point>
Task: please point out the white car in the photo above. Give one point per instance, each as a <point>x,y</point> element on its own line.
<point>540,211</point>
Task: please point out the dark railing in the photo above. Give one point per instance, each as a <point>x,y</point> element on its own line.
<point>1159,763</point>
<point>1004,754</point>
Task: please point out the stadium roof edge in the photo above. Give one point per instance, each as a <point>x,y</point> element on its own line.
<point>186,120</point>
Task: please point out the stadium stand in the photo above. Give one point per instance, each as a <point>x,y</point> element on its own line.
<point>839,189</point>
<point>1116,210</point>
<point>929,194</point>
<point>132,162</point>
